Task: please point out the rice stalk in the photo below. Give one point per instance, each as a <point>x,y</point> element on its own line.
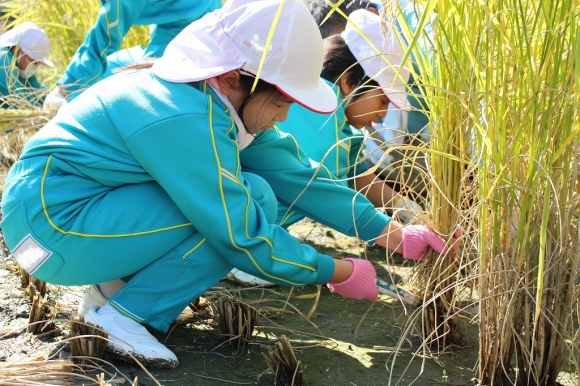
<point>504,101</point>
<point>37,372</point>
<point>283,364</point>
<point>101,381</point>
<point>41,315</point>
<point>235,319</point>
<point>447,168</point>
<point>87,342</point>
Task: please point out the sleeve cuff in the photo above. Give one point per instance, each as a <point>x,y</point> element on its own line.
<point>325,269</point>
<point>370,224</point>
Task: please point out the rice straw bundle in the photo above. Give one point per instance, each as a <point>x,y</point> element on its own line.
<point>36,287</point>
<point>236,319</point>
<point>284,365</point>
<point>88,342</point>
<point>36,372</point>
<point>40,312</point>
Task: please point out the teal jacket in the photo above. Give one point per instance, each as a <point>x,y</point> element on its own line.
<point>333,145</point>
<point>182,137</point>
<point>115,18</point>
<point>14,85</point>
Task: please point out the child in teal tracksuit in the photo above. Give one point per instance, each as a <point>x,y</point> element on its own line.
<point>364,91</point>
<point>23,50</point>
<point>116,17</point>
<point>141,178</point>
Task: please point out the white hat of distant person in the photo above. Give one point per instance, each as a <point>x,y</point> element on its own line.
<point>234,37</point>
<point>31,40</point>
<point>382,59</point>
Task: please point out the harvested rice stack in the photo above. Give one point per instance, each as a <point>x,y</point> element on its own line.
<point>283,363</point>
<point>235,319</point>
<point>41,372</point>
<point>88,341</point>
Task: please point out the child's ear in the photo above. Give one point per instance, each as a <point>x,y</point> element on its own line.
<point>230,79</point>
<point>346,87</point>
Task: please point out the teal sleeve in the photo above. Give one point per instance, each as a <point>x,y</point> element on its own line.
<point>214,196</point>
<point>356,154</point>
<point>105,37</point>
<point>311,189</point>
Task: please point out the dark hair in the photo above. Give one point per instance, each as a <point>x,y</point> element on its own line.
<point>320,8</point>
<point>340,62</point>
<point>246,81</point>
<point>271,93</point>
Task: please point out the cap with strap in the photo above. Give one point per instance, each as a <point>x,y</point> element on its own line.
<point>234,37</point>
<point>31,39</point>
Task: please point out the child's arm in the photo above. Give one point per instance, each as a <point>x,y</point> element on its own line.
<point>375,189</point>
<point>342,271</point>
<point>383,196</point>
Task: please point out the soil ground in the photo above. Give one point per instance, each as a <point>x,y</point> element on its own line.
<point>345,342</point>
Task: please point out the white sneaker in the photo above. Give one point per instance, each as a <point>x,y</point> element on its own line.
<point>126,335</point>
<point>92,298</point>
<point>242,277</point>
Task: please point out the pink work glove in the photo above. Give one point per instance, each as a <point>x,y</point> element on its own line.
<point>417,239</point>
<point>361,284</point>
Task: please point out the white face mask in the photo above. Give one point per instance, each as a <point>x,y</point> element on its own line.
<point>29,70</point>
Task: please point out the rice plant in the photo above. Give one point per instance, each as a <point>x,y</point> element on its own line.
<point>503,102</point>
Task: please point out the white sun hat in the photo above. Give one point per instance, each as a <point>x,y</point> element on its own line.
<point>31,39</point>
<point>382,59</point>
<point>234,37</point>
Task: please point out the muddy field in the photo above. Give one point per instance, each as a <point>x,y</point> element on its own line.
<point>344,342</point>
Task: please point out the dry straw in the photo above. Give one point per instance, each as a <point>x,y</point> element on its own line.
<point>36,373</point>
<point>283,364</point>
<point>86,342</point>
<point>235,319</point>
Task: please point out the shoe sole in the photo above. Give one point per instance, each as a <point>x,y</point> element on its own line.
<point>160,363</point>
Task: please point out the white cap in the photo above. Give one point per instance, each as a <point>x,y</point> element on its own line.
<point>382,59</point>
<point>31,39</point>
<point>234,37</point>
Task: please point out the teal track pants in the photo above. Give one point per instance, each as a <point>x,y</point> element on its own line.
<point>131,231</point>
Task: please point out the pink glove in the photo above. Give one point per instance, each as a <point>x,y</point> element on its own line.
<point>360,284</point>
<point>418,238</point>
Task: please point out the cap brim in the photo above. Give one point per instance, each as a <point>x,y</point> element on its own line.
<point>395,88</point>
<point>321,99</point>
<point>397,95</point>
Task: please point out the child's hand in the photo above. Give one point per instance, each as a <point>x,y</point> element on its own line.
<point>361,282</point>
<point>417,239</point>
